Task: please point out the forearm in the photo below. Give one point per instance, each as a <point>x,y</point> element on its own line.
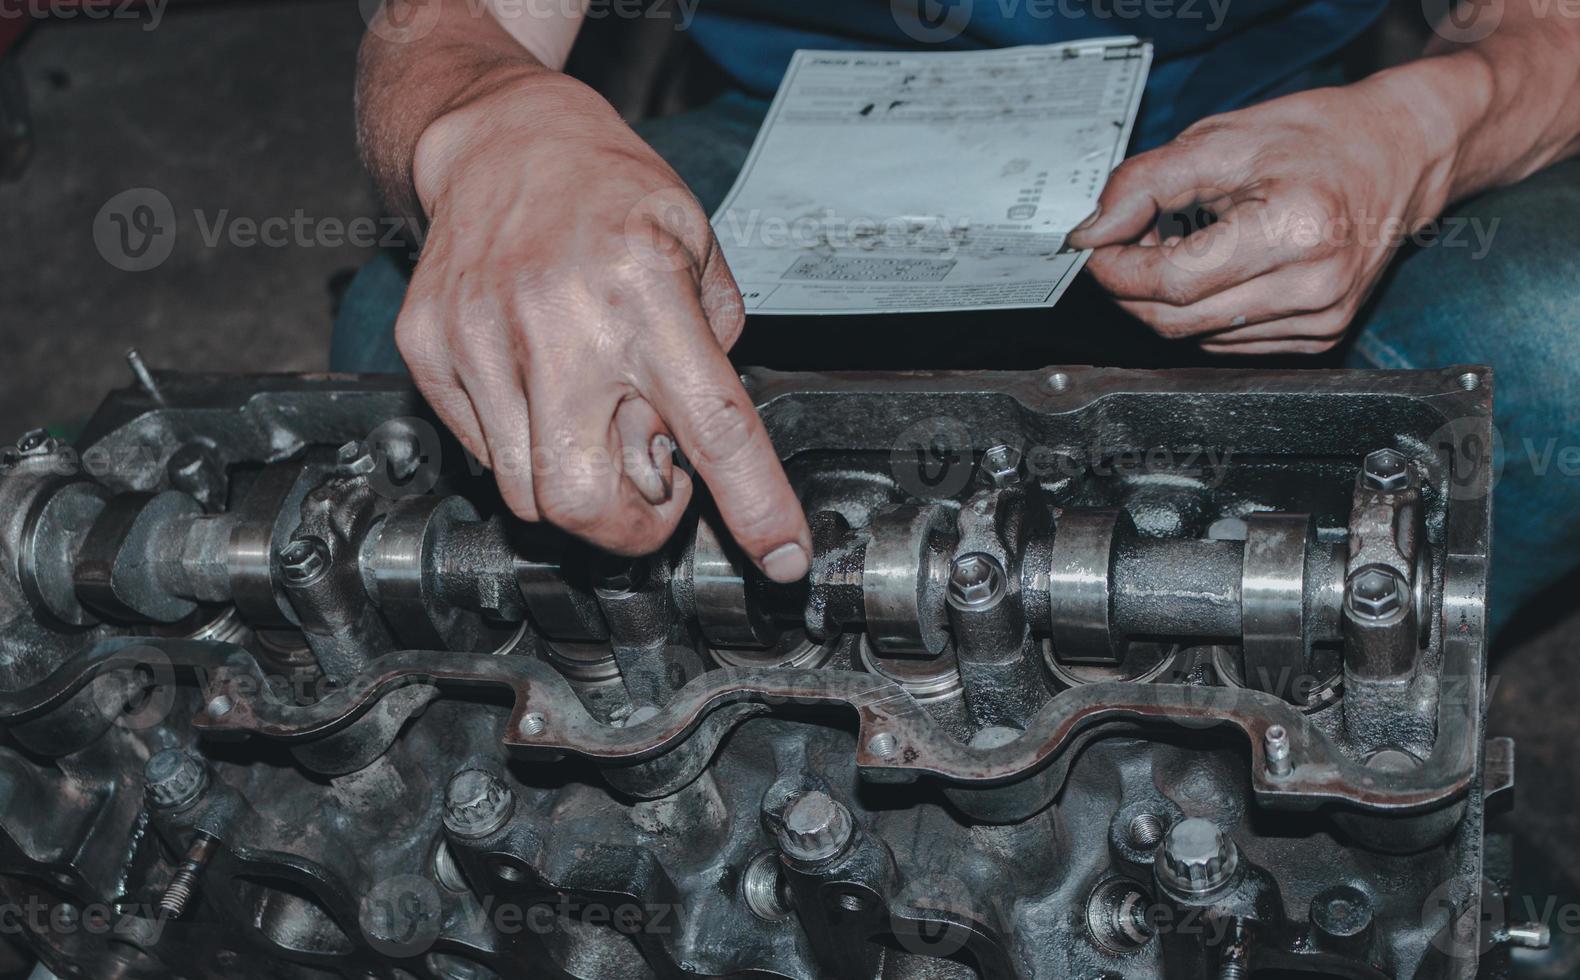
<point>422,59</point>
<point>1488,113</point>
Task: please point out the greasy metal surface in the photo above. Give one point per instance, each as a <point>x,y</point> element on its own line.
<point>1320,772</point>
<point>643,765</point>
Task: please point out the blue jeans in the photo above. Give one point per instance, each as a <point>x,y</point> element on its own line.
<point>1503,291</point>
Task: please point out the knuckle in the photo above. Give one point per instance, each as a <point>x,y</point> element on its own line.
<point>518,496</point>
<point>628,272</point>
<point>727,316</point>
<point>1311,208</point>
<point>1318,290</point>
<point>1177,290</point>
<point>1130,174</point>
<point>758,526</point>
<point>633,277</point>
<point>1126,170</point>
<point>414,338</point>
<point>1163,321</point>
<point>653,534</point>
<point>725,429</point>
<point>1103,266</point>
<point>1203,128</point>
<point>1332,328</point>
<point>574,504</point>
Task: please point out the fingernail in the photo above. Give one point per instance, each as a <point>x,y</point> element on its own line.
<point>655,482</point>
<point>1091,219</point>
<point>786,563</point>
<point>662,451</point>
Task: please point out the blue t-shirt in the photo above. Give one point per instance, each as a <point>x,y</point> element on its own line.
<point>1209,55</point>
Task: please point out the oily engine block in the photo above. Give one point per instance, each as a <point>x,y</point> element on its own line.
<point>1097,674</point>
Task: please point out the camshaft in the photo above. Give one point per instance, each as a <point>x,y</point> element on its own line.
<point>318,544</point>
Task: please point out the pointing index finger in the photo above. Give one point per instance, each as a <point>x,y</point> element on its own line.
<point>717,425</point>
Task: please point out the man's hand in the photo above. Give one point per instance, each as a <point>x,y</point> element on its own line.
<point>568,320</point>
<point>1311,193</point>
<point>1314,191</point>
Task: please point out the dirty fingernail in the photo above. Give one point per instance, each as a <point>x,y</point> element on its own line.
<point>654,481</point>
<point>786,563</point>
<point>662,451</point>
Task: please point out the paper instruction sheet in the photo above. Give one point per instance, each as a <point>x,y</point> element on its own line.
<point>890,182</point>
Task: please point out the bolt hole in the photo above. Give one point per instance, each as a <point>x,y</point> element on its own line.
<point>447,871</point>
<point>882,745</point>
<point>1059,381</point>
<point>509,872</point>
<point>1470,381</point>
<point>852,902</point>
<point>534,724</point>
<point>764,888</point>
<point>1146,831</point>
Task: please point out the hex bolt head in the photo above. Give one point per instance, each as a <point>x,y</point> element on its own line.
<point>975,580</point>
<point>1196,858</point>
<point>476,803</point>
<point>1001,466</point>
<point>304,561</point>
<point>1386,470</point>
<point>174,778</point>
<point>816,827</point>
<point>1376,593</point>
